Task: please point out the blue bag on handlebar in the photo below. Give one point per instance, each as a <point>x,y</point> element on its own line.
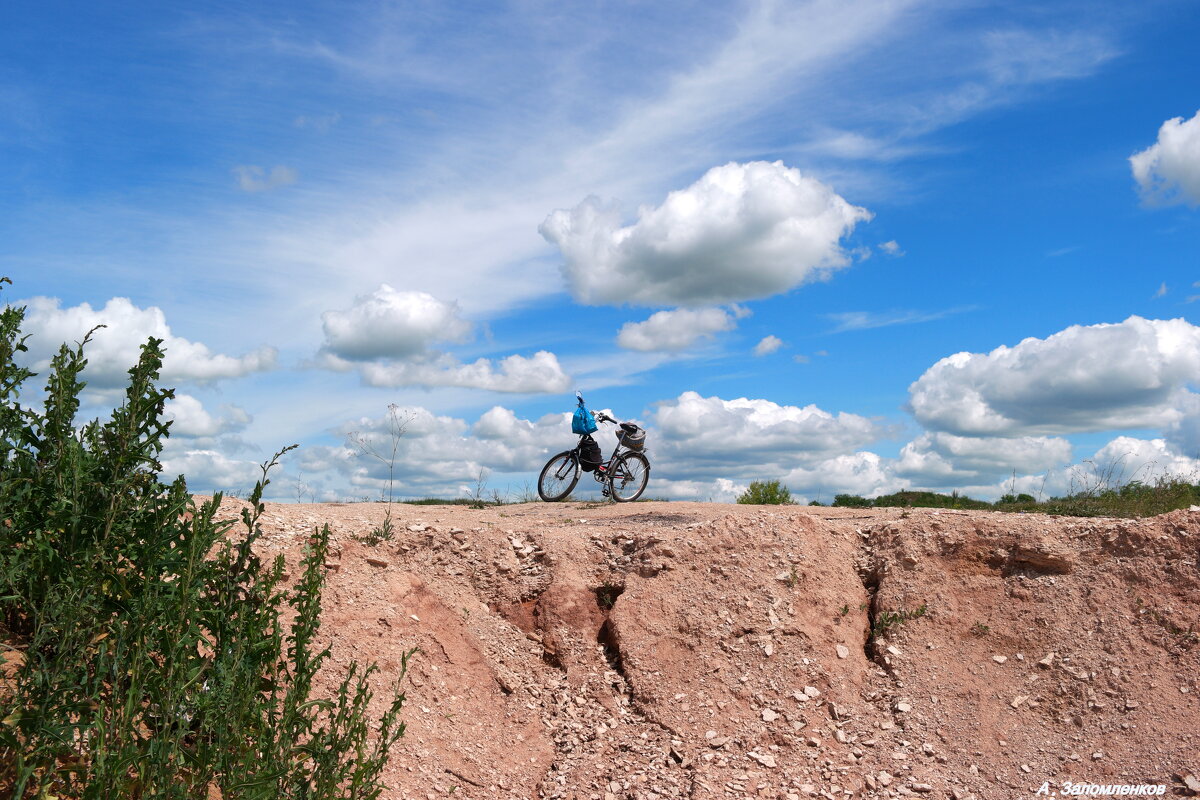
<point>583,422</point>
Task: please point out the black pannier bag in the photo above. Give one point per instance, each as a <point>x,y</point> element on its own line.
<point>589,454</point>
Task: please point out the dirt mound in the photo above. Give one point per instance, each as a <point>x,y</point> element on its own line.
<point>666,650</point>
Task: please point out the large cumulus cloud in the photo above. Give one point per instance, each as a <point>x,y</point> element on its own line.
<point>388,337</point>
<point>742,231</point>
<point>1132,374</point>
<point>115,348</point>
<point>709,437</point>
<point>391,323</point>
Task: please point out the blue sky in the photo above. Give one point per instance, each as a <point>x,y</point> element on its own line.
<point>763,229</point>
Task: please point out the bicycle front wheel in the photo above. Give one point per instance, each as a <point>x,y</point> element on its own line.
<point>630,475</point>
<point>558,477</point>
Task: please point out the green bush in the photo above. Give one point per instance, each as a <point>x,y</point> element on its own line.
<point>914,499</point>
<point>765,493</point>
<point>147,649</point>
<point>850,501</point>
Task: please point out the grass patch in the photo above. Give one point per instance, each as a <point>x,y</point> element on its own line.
<point>886,620</point>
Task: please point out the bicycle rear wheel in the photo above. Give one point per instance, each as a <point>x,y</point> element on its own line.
<point>558,477</point>
<point>630,474</point>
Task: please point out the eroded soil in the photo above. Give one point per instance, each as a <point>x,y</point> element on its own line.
<point>664,650</point>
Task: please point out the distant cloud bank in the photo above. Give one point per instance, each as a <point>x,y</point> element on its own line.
<point>1084,378</point>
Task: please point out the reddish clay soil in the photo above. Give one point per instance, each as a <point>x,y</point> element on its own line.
<point>664,650</point>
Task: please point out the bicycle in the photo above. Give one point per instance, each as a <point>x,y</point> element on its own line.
<point>624,476</point>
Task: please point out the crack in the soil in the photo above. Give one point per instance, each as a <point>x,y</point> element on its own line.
<point>609,640</point>
<point>871,571</point>
<point>871,581</point>
<point>606,637</point>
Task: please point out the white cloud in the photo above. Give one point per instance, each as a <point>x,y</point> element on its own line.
<point>721,490</point>
<point>391,324</point>
<point>386,337</point>
<point>768,345</point>
<point>742,231</point>
<point>1122,460</point>
<point>1183,434</point>
<point>192,420</point>
<point>251,178</point>
<point>436,453</point>
<point>210,471</point>
<point>708,437</point>
<point>1126,459</point>
<point>946,460</point>
<point>891,248</point>
<point>1131,374</point>
<point>675,330</point>
<point>115,348</point>
<point>1169,170</point>
<point>539,373</point>
<point>862,473</point>
<point>700,448</point>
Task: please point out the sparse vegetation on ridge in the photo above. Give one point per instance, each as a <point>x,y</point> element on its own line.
<point>1133,499</point>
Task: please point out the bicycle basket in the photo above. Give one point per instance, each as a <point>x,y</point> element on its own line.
<point>632,436</point>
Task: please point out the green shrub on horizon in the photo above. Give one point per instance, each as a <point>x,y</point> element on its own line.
<point>1133,499</point>
<point>153,658</point>
<point>913,499</point>
<point>765,493</point>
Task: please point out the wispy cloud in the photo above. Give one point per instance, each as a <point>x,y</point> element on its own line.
<point>321,123</point>
<point>251,178</point>
<point>448,156</point>
<point>865,320</point>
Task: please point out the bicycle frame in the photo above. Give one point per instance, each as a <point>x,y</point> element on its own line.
<point>562,472</point>
<point>605,475</point>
